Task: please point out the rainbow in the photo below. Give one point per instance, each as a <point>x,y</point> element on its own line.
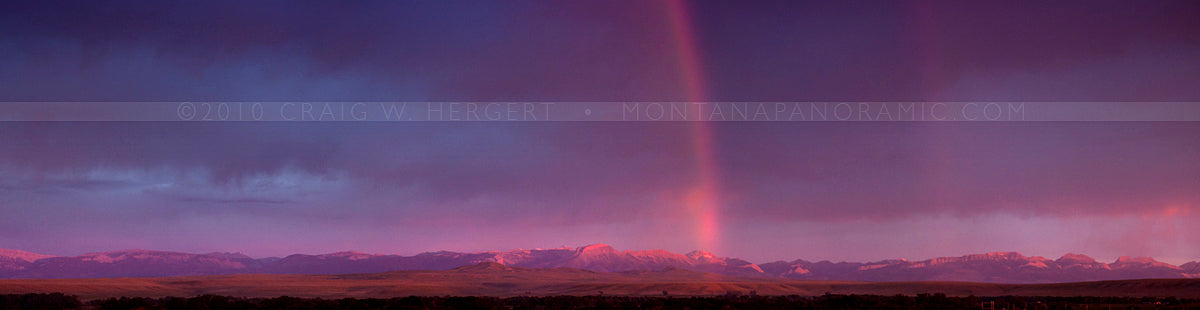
<point>703,200</point>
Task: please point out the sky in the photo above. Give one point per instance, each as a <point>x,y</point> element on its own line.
<point>134,175</point>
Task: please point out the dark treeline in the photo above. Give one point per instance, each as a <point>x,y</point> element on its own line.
<point>39,301</point>
<point>828,301</point>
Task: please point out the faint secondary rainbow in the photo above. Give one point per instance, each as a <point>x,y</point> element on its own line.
<point>702,199</point>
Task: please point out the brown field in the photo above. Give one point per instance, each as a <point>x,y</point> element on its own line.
<point>497,280</point>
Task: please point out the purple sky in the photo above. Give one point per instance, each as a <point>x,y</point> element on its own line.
<point>814,190</point>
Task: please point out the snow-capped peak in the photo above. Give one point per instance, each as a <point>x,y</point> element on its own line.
<point>1135,260</point>
<point>1125,262</point>
<point>22,255</point>
<point>351,255</point>
<point>596,249</point>
<point>701,255</point>
<point>1077,258</point>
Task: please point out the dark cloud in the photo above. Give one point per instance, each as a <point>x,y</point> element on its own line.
<point>479,51</point>
<point>379,50</point>
<point>930,50</point>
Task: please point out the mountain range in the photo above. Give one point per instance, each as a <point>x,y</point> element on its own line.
<point>999,267</point>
